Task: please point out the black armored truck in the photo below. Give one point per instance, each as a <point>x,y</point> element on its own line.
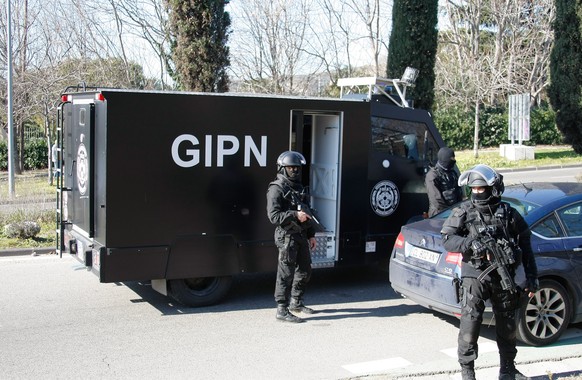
<point>170,186</point>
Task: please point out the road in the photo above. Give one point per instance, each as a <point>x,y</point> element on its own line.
<point>57,321</point>
<point>553,174</point>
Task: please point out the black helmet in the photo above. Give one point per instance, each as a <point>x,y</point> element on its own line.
<point>290,158</point>
<point>483,176</point>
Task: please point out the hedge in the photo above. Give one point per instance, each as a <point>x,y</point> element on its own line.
<point>457,127</point>
<point>35,154</point>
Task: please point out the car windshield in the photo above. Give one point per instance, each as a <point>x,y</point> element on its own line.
<point>522,207</point>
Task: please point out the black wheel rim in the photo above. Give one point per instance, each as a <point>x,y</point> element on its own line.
<point>201,286</point>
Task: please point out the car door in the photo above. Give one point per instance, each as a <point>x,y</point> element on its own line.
<point>571,217</point>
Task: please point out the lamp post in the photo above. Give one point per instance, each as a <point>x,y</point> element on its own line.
<point>9,101</point>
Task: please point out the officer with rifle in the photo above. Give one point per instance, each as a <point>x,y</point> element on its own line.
<point>288,209</point>
<point>494,240</point>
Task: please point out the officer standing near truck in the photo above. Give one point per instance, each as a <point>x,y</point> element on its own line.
<point>484,230</point>
<point>294,236</point>
<point>441,183</point>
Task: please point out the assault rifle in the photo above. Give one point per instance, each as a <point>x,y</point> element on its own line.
<point>501,258</point>
<point>295,198</point>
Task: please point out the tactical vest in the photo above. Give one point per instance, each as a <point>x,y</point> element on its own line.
<point>293,226</point>
<point>496,226</point>
<point>446,182</point>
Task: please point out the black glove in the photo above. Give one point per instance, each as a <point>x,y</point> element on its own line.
<point>532,284</point>
<point>478,248</point>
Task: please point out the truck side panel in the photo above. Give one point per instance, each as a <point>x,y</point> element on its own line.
<point>179,180</point>
<point>212,214</point>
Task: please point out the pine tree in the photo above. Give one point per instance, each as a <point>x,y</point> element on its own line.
<point>200,30</point>
<point>413,43</point>
<point>565,90</point>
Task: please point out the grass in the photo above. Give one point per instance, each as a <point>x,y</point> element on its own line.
<point>35,198</point>
<point>544,156</point>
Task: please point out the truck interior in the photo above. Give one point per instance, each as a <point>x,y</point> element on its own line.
<point>317,135</point>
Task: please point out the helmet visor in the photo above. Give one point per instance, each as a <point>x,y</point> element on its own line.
<point>488,175</point>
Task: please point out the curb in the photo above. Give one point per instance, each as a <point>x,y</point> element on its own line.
<point>536,168</point>
<point>34,251</point>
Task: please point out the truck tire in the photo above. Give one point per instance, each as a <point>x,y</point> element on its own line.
<point>542,319</point>
<point>201,291</point>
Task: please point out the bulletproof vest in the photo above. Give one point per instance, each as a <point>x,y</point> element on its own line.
<point>482,224</point>
<point>287,186</point>
<point>446,182</point>
<point>496,226</point>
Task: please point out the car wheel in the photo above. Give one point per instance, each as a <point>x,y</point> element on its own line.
<point>200,291</point>
<point>543,318</point>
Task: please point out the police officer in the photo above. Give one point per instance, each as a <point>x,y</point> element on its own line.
<point>294,237</point>
<point>441,183</point>
<point>470,229</point>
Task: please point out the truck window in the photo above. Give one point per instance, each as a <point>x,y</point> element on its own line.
<point>403,138</point>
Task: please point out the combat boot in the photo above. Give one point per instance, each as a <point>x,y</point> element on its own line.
<point>283,314</point>
<point>467,372</point>
<point>507,371</point>
<point>299,307</point>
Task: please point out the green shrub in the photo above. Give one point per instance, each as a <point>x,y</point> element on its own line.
<point>457,127</point>
<point>543,129</point>
<point>35,154</point>
<point>3,155</point>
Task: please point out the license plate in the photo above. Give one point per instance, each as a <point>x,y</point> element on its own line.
<point>424,255</point>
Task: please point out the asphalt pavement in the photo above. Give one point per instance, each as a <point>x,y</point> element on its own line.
<point>565,364</point>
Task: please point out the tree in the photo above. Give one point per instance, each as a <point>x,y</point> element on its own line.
<point>148,20</point>
<point>565,90</point>
<point>491,49</point>
<point>302,47</point>
<point>413,42</point>
<point>200,30</point>
<point>271,46</point>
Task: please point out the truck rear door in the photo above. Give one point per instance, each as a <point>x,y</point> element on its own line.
<point>79,167</point>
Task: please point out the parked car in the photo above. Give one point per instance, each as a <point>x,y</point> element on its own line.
<point>423,271</point>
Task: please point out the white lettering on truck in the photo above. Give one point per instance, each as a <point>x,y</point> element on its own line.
<point>226,145</point>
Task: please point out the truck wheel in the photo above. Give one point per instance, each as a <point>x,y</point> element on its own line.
<point>542,319</point>
<point>201,291</point>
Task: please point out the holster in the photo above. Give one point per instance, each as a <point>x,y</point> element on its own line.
<point>458,288</point>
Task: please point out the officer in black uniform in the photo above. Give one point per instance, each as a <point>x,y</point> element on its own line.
<point>471,229</point>
<point>294,237</point>
<point>441,183</point>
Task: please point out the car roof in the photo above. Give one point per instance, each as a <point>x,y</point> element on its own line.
<point>544,193</point>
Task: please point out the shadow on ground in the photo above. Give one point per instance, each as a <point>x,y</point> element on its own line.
<point>327,286</point>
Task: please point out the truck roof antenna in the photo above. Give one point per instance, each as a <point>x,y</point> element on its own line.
<point>377,85</point>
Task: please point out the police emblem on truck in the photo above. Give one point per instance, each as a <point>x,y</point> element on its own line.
<point>384,198</point>
<point>82,167</point>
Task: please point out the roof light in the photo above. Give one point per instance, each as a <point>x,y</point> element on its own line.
<point>99,96</point>
<point>399,243</point>
<point>66,98</point>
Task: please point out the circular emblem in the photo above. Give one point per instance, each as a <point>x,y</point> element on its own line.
<point>384,198</point>
<point>82,168</point>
